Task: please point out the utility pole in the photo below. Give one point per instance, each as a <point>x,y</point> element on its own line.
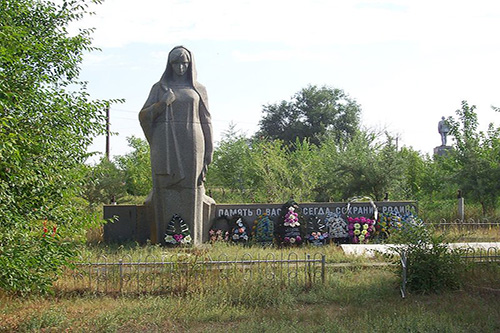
<point>107,132</point>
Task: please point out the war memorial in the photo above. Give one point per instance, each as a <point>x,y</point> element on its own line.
<point>177,125</point>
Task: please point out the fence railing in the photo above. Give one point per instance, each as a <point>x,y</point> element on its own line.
<point>479,255</point>
<point>177,275</point>
<point>473,255</point>
<point>180,274</point>
<point>467,224</point>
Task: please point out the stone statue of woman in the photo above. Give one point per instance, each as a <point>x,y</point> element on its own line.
<point>176,122</point>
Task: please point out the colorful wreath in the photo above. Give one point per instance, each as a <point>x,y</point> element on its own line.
<point>317,232</point>
<point>289,227</point>
<point>219,232</point>
<point>239,232</point>
<point>263,230</point>
<point>361,229</point>
<point>177,232</point>
<point>337,227</point>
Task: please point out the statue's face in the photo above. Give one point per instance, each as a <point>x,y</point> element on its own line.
<point>180,68</point>
<point>181,64</point>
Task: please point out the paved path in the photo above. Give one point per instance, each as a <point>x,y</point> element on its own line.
<point>369,250</point>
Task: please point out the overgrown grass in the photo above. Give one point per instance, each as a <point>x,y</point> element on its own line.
<point>351,300</point>
<point>354,301</point>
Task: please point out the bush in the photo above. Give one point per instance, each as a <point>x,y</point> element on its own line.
<point>431,265</point>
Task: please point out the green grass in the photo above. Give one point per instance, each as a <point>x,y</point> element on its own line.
<point>351,300</point>
<point>355,301</point>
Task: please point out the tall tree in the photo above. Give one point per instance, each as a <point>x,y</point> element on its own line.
<point>478,157</point>
<point>47,121</point>
<point>312,113</point>
<point>361,166</point>
<point>136,167</point>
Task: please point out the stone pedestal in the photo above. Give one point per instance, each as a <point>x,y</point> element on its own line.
<point>442,150</point>
<point>192,205</point>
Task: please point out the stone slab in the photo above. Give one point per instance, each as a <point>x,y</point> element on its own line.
<point>369,250</point>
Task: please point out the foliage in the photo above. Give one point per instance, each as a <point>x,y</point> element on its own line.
<point>477,155</point>
<point>230,167</point>
<point>136,167</point>
<point>431,265</point>
<point>261,170</point>
<point>311,114</point>
<point>47,121</point>
<point>103,184</point>
<point>362,166</point>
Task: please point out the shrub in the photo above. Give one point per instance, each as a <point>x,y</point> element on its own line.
<point>431,265</point>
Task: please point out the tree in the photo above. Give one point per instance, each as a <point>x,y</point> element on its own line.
<point>47,121</point>
<point>312,113</point>
<point>104,183</point>
<point>361,166</point>
<point>136,167</point>
<point>477,155</point>
<point>230,167</point>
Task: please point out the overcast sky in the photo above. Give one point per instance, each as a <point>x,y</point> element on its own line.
<point>406,62</point>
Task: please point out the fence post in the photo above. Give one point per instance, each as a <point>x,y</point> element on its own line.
<point>404,268</point>
<point>323,264</point>
<point>461,206</point>
<point>120,265</point>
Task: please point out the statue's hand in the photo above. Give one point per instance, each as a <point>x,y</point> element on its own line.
<point>169,96</point>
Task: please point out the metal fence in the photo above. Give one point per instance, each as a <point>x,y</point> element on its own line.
<point>180,274</point>
<point>488,255</point>
<point>467,224</point>
<point>482,255</point>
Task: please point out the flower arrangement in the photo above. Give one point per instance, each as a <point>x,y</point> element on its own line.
<point>263,230</point>
<point>218,235</point>
<point>337,227</point>
<point>389,222</point>
<point>292,239</point>
<point>289,227</point>
<point>386,223</point>
<point>219,231</point>
<point>239,232</point>
<point>317,233</point>
<point>291,218</point>
<point>360,229</point>
<point>177,232</point>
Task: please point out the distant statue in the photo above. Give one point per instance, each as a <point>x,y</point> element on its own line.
<point>176,122</point>
<point>443,129</point>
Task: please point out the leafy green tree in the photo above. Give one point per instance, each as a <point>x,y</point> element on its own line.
<point>311,114</point>
<point>228,177</point>
<point>362,166</point>
<point>477,155</point>
<point>136,167</point>
<point>104,183</point>
<point>47,121</point>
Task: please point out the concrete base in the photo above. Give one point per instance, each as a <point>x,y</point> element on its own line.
<point>136,223</point>
<point>442,150</point>
<point>370,250</point>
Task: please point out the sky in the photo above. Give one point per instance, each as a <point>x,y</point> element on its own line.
<point>406,62</point>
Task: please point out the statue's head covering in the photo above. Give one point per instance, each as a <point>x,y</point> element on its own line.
<point>174,55</point>
<point>167,77</point>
